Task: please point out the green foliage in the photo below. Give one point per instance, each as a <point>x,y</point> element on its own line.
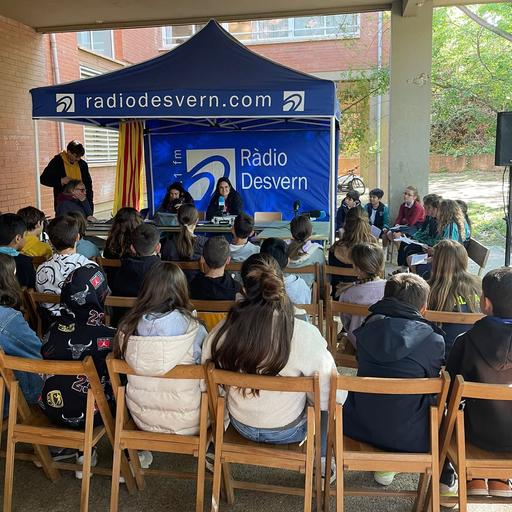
<point>471,78</point>
<point>487,224</point>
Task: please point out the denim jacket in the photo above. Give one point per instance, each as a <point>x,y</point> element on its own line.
<point>18,339</point>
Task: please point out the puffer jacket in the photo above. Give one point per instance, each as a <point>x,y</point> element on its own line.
<point>163,405</point>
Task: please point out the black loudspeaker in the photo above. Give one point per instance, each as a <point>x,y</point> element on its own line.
<point>503,154</point>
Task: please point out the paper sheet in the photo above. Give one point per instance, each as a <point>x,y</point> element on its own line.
<point>418,259</point>
<point>375,231</point>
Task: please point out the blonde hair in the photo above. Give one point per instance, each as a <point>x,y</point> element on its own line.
<point>450,211</point>
<point>414,190</point>
<point>450,281</point>
<point>355,231</point>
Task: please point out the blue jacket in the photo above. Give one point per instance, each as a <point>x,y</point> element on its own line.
<point>18,339</point>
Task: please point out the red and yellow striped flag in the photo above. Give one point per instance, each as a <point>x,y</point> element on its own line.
<point>130,165</point>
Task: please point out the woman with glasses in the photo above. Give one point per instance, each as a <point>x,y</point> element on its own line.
<point>66,166</point>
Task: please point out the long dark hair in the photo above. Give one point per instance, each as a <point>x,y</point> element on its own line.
<point>10,291</point>
<point>184,195</point>
<point>187,216</point>
<point>120,236</point>
<point>257,334</point>
<point>301,229</point>
<point>164,289</point>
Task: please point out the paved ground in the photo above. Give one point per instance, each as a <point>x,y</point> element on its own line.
<point>34,493</point>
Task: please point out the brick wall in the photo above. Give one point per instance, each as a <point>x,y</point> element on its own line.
<point>139,44</point>
<point>23,58</point>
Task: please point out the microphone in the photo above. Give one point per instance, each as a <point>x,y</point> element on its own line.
<point>296,208</point>
<point>222,204</point>
<point>316,214</point>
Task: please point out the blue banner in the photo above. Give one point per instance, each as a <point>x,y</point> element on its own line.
<point>269,169</point>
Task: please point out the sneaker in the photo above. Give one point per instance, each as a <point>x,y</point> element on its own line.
<point>210,458</point>
<point>332,478</point>
<point>477,487</point>
<point>448,491</point>
<point>59,454</point>
<point>500,488</point>
<point>80,460</point>
<point>145,460</point>
<point>384,477</point>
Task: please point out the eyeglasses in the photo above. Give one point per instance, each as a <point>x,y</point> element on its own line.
<point>80,189</point>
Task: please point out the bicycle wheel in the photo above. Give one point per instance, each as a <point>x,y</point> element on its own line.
<point>358,185</point>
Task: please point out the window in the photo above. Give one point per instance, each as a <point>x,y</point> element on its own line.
<point>172,36</point>
<point>342,26</point>
<point>98,41</point>
<point>100,143</point>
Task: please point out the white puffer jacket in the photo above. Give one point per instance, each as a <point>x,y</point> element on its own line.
<point>162,405</point>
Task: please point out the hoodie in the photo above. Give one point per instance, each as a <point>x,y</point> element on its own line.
<point>484,354</point>
<point>162,342</point>
<point>128,280</point>
<point>203,287</point>
<point>395,342</point>
<point>240,253</point>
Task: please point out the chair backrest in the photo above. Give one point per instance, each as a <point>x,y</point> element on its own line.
<point>211,312</point>
<point>105,263</point>
<point>267,216</point>
<point>308,269</point>
<point>188,265</point>
<point>34,299</point>
<point>116,301</point>
<point>315,310</point>
<point>38,260</point>
<point>478,253</point>
<point>388,386</point>
<point>234,266</point>
<point>331,270</point>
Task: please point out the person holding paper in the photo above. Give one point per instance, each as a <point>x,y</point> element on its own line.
<point>410,215</point>
<point>378,212</point>
<point>225,200</point>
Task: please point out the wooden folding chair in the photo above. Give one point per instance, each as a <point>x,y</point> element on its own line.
<point>231,447</point>
<point>353,455</point>
<point>115,301</point>
<point>308,269</point>
<point>329,271</point>
<point>452,317</point>
<point>315,312</point>
<point>38,260</point>
<point>35,299</point>
<point>30,425</point>
<point>188,265</point>
<point>211,312</point>
<point>469,460</point>
<point>108,263</point>
<point>128,436</point>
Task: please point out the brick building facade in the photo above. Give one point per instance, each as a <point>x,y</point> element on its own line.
<point>28,60</point>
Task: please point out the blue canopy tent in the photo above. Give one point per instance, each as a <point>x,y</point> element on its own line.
<point>213,108</point>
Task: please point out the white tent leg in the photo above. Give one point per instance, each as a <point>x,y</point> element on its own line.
<point>38,184</point>
<point>332,179</point>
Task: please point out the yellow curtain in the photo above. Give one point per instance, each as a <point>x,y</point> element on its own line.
<point>130,165</point>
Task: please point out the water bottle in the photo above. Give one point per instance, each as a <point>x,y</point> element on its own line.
<point>222,204</point>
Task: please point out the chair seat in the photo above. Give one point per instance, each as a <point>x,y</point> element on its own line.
<point>237,448</point>
<point>477,457</point>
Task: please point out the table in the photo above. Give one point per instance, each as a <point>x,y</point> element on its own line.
<point>278,229</point>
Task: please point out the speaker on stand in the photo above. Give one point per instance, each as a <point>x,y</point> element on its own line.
<point>503,157</point>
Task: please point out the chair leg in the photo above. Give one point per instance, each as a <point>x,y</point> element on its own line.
<point>338,443</point>
<point>201,456</point>
<point>217,469</point>
<point>86,467</point>
<point>461,461</point>
<point>227,480</point>
<point>117,451</point>
<point>137,469</point>
<point>310,451</point>
<point>423,489</point>
<point>9,462</point>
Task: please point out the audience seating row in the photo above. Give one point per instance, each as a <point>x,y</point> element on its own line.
<point>28,425</point>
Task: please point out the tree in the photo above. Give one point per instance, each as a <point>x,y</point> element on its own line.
<point>471,76</point>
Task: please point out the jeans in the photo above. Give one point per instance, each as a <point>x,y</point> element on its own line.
<point>294,432</point>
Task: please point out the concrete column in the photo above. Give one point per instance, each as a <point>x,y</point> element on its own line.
<point>410,101</point>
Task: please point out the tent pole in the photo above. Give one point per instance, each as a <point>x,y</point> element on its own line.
<point>332,179</point>
<point>36,147</point>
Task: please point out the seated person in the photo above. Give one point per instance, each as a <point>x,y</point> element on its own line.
<point>395,342</point>
<point>225,200</point>
<point>368,261</point>
<point>377,211</point>
<point>240,248</point>
<point>296,288</point>
<point>84,247</point>
<point>119,241</point>
<point>17,338</point>
<point>452,287</point>
<point>12,240</point>
<point>484,354</point>
<point>355,231</point>
<point>351,201</point>
<point>185,245</point>
<point>73,198</point>
<point>410,215</point>
<point>164,322</point>
<point>175,197</point>
<point>426,234</point>
<point>215,283</point>
<point>50,276</point>
<point>262,336</point>
<point>34,220</point>
<point>302,251</point>
<point>79,332</point>
<point>128,280</point>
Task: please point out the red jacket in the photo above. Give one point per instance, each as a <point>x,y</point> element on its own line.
<point>410,216</point>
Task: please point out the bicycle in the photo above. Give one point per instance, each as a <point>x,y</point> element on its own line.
<point>351,181</point>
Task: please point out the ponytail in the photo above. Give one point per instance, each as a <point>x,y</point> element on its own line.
<point>301,230</point>
<point>187,216</point>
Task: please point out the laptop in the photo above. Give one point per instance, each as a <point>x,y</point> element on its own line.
<point>166,219</point>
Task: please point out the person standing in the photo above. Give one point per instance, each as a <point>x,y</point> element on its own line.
<point>66,166</point>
